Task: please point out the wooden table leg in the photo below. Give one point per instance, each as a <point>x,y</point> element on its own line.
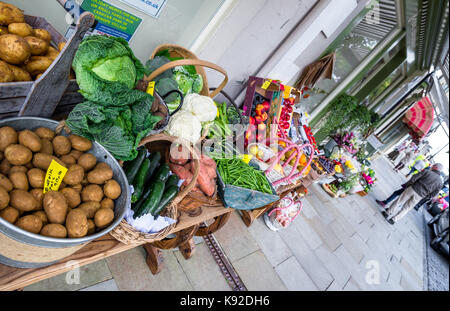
<point>154,258</point>
<point>187,249</point>
<point>247,217</point>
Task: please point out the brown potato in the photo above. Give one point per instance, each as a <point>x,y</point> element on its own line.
<point>4,198</point>
<point>22,200</point>
<point>39,197</point>
<point>10,14</point>
<point>1,156</point>
<point>5,166</point>
<point>74,175</point>
<point>36,177</point>
<point>103,217</point>
<point>100,174</point>
<point>72,196</point>
<point>30,140</point>
<point>18,154</point>
<point>92,193</point>
<point>42,160</point>
<point>18,168</point>
<point>42,216</point>
<point>19,181</point>
<point>107,203</point>
<point>19,74</point>
<point>61,145</point>
<point>5,183</point>
<point>42,34</point>
<point>37,65</point>
<point>90,208</point>
<point>77,188</point>
<point>38,76</point>
<point>20,29</point>
<point>8,136</point>
<point>68,159</point>
<point>47,146</point>
<point>112,189</point>
<point>54,231</point>
<point>30,223</point>
<point>87,161</point>
<point>75,154</point>
<point>46,133</point>
<point>84,182</point>
<point>52,53</point>
<point>55,206</point>
<point>80,143</point>
<point>61,46</point>
<point>91,227</point>
<point>38,46</point>
<point>77,223</point>
<point>14,49</point>
<point>10,214</point>
<point>6,74</point>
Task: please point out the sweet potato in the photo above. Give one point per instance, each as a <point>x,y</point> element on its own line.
<point>182,173</point>
<point>179,155</point>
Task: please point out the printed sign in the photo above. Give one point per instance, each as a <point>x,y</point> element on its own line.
<point>151,88</point>
<point>112,21</point>
<point>54,176</point>
<point>149,7</point>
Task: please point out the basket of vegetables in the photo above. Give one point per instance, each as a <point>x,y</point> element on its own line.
<point>173,67</point>
<point>157,189</point>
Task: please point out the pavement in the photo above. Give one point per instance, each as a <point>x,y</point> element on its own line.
<point>334,245</point>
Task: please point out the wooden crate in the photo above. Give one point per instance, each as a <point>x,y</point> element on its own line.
<point>52,95</point>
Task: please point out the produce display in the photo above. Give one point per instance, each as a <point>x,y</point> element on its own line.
<point>84,202</point>
<point>238,173</point>
<point>182,78</point>
<point>25,53</point>
<point>327,164</point>
<point>311,138</point>
<point>284,121</point>
<point>114,114</point>
<point>154,186</point>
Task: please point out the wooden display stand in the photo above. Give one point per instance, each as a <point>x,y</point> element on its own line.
<point>15,278</point>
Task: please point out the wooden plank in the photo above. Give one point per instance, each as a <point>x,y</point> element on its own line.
<point>14,89</point>
<point>14,278</point>
<point>46,93</point>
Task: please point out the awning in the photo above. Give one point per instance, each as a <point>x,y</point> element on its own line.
<point>420,117</point>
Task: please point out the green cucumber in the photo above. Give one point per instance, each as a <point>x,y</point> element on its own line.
<point>172,181</point>
<point>156,193</point>
<point>139,181</point>
<point>132,167</point>
<point>154,158</point>
<point>168,196</point>
<point>163,173</point>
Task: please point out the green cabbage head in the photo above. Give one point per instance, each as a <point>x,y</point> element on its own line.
<point>107,71</point>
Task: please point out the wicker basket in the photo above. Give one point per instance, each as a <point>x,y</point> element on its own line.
<point>189,59</point>
<point>124,232</point>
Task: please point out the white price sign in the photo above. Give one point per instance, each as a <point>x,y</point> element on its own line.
<point>149,7</point>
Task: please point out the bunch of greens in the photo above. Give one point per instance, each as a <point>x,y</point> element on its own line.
<point>220,129</point>
<point>114,114</point>
<point>182,78</point>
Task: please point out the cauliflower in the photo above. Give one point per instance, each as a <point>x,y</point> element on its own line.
<point>202,107</point>
<point>185,125</point>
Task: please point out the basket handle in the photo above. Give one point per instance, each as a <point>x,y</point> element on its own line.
<point>194,62</point>
<point>195,159</point>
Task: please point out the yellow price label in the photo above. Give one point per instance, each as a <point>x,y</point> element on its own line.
<point>246,157</point>
<point>54,176</point>
<point>287,91</point>
<point>266,84</point>
<point>151,88</point>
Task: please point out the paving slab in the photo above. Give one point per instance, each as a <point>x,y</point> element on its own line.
<point>235,239</point>
<point>106,286</point>
<point>76,279</point>
<point>337,269</point>
<point>131,273</point>
<point>293,276</point>
<point>257,273</point>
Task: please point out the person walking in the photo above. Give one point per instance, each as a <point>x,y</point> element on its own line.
<point>426,184</point>
<point>405,158</point>
<point>417,167</point>
<point>397,150</point>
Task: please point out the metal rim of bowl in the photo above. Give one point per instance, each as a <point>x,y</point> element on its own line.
<point>72,241</point>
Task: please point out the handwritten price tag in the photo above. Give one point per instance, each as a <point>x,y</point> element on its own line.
<point>54,176</point>
<point>151,88</point>
<point>266,84</point>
